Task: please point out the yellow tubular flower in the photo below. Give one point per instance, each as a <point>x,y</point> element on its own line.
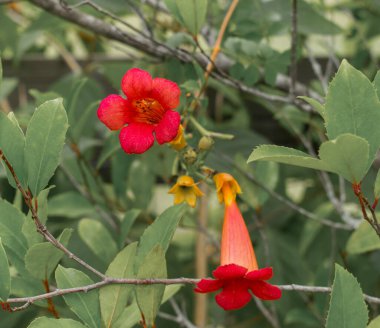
<point>226,188</point>
<point>179,142</point>
<point>185,190</point>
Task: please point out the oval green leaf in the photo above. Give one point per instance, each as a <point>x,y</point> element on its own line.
<point>352,106</point>
<point>160,232</point>
<point>347,156</point>
<point>12,144</point>
<point>113,299</point>
<point>347,306</point>
<point>45,322</point>
<point>45,138</point>
<point>363,239</point>
<point>286,155</point>
<point>96,236</point>
<point>84,305</point>
<point>193,14</point>
<point>42,258</point>
<point>149,297</point>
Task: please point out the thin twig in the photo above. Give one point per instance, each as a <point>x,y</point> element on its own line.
<point>219,39</point>
<point>160,50</point>
<point>182,319</point>
<point>41,228</point>
<point>126,281</point>
<point>317,69</point>
<point>266,313</point>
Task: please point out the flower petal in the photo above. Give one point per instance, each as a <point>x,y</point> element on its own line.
<point>190,197</point>
<point>167,129</point>
<point>136,84</point>
<point>136,138</point>
<point>112,112</point>
<point>261,274</point>
<point>265,291</point>
<point>229,271</point>
<point>208,285</point>
<point>166,92</point>
<point>234,296</point>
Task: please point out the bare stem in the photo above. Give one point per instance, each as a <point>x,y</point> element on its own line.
<point>125,281</point>
<point>41,228</point>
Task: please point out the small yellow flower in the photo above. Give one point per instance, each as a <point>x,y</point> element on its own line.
<point>179,142</point>
<point>226,188</point>
<point>185,190</point>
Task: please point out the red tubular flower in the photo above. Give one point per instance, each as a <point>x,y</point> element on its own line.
<point>147,109</point>
<point>238,273</point>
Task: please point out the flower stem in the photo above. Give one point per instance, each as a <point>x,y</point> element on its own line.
<point>203,131</point>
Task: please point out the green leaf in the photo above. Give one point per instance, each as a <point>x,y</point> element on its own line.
<point>376,83</point>
<point>140,189</point>
<point>11,221</point>
<point>375,323</point>
<point>72,103</point>
<point>160,232</point>
<point>45,138</point>
<point>12,144</point>
<point>193,13</point>
<point>41,97</point>
<point>70,205</point>
<point>377,185</point>
<point>81,124</point>
<point>315,104</point>
<point>149,297</point>
<point>42,258</point>
<point>131,314</point>
<point>347,306</point>
<point>173,8</point>
<point>126,225</point>
<point>110,147</point>
<point>352,106</point>
<point>302,318</point>
<point>363,239</point>
<point>7,86</point>
<point>286,155</point>
<point>96,236</point>
<point>113,299</point>
<point>264,172</point>
<point>5,277</point>
<point>84,305</point>
<point>347,155</point>
<point>45,322</point>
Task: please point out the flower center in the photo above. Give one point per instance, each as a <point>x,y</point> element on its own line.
<point>148,110</point>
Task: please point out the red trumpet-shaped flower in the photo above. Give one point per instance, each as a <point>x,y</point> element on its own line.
<point>238,273</point>
<point>148,109</point>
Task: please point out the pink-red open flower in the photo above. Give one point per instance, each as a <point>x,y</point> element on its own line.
<point>238,273</point>
<point>236,282</point>
<point>148,109</point>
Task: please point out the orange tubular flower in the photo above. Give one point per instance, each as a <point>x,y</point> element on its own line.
<point>238,272</point>
<point>179,142</point>
<point>185,190</point>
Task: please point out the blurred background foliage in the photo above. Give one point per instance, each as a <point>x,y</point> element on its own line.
<point>45,56</point>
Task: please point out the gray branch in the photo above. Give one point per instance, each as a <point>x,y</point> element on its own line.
<point>157,49</point>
